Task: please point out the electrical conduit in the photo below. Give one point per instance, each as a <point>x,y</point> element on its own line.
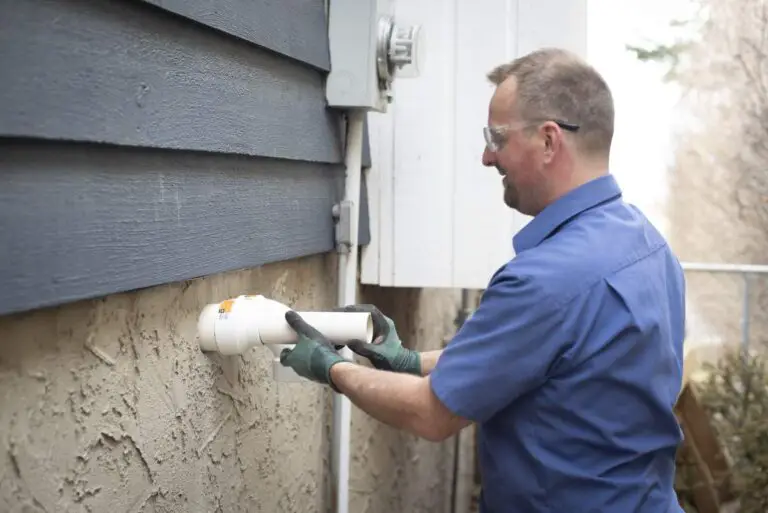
<point>347,295</point>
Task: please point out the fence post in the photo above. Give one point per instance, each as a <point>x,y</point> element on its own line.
<point>745,314</point>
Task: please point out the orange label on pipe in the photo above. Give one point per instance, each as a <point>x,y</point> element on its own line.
<point>226,306</point>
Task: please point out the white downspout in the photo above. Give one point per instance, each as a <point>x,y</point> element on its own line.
<point>347,295</point>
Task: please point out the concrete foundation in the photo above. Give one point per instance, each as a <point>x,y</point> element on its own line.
<point>109,406</point>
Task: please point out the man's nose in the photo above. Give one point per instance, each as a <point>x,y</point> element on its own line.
<point>489,158</point>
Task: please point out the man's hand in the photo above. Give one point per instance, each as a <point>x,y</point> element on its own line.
<point>386,352</point>
<point>313,356</point>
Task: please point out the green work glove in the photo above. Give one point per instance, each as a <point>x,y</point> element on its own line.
<point>386,352</point>
<point>313,355</point>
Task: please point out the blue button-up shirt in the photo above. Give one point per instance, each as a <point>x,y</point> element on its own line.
<point>572,363</point>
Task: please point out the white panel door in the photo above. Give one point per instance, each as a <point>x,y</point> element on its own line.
<point>437,215</point>
<point>410,183</point>
<point>483,225</point>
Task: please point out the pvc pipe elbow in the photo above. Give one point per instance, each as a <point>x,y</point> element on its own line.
<point>236,325</point>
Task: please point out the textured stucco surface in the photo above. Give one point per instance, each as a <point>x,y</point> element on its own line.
<point>153,424</point>
<point>392,470</point>
<point>108,406</point>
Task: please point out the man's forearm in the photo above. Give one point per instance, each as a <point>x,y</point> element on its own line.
<point>401,400</point>
<point>429,360</point>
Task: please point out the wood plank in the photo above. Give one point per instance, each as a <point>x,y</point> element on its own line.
<point>295,28</point>
<point>83,220</point>
<point>700,429</point>
<point>130,74</point>
<point>704,491</point>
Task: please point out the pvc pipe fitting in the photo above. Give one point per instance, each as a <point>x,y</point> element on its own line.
<point>235,325</point>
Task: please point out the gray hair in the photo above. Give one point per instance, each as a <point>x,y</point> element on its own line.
<point>556,84</point>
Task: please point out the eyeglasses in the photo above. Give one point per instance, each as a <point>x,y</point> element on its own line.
<point>495,137</point>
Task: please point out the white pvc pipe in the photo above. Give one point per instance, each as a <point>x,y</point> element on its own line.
<point>347,281</point>
<point>236,325</point>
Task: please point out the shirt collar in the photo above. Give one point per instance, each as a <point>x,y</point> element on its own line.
<point>584,197</point>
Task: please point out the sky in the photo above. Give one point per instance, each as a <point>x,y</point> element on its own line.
<point>646,106</point>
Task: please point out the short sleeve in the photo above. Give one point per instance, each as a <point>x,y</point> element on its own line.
<point>502,351</point>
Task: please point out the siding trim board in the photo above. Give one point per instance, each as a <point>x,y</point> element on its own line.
<point>131,74</point>
<point>81,222</point>
<point>366,157</point>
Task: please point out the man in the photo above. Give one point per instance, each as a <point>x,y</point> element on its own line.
<point>572,362</point>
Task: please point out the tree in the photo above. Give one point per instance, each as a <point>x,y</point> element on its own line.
<point>718,209</point>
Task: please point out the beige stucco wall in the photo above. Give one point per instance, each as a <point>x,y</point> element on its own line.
<point>108,406</point>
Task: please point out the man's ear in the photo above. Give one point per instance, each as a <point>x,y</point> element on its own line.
<point>552,137</point>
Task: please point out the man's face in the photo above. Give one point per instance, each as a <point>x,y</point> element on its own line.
<point>515,154</point>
